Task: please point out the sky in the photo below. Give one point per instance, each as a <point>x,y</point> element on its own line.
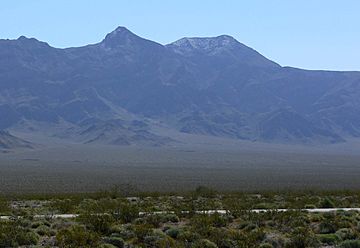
<point>309,34</point>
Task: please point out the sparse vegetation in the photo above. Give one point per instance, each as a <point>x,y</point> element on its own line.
<point>176,220</point>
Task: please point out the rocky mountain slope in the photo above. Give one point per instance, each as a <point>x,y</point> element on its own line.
<point>8,141</point>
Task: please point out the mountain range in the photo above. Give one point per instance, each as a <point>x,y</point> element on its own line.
<point>124,89</point>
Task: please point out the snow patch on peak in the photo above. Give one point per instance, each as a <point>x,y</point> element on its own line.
<point>207,44</point>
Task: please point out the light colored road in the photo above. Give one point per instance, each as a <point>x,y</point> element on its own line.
<point>220,211</point>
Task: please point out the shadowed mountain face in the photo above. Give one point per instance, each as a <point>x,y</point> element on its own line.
<point>210,86</point>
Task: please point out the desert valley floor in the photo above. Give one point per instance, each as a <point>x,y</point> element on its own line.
<point>218,163</point>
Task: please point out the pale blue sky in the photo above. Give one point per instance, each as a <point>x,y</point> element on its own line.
<point>313,34</point>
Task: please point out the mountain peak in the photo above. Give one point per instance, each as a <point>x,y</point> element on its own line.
<point>223,46</point>
<point>119,37</point>
<point>120,30</point>
<point>206,43</point>
<point>31,42</point>
<point>23,38</point>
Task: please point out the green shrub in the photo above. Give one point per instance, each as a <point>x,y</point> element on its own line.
<point>327,227</point>
<point>251,226</point>
<point>100,223</point>
<point>345,233</point>
<point>115,241</point>
<point>158,239</point>
<point>65,206</point>
<point>172,218</point>
<point>141,231</point>
<point>350,244</point>
<point>326,203</point>
<point>329,239</point>
<point>247,239</point>
<point>125,232</point>
<point>218,220</point>
<point>301,238</point>
<point>4,206</point>
<point>36,224</point>
<point>155,220</point>
<point>45,231</point>
<point>27,238</point>
<point>128,212</point>
<point>187,236</point>
<point>204,243</point>
<point>165,242</point>
<point>13,235</point>
<point>275,239</point>
<point>172,232</point>
<point>77,236</point>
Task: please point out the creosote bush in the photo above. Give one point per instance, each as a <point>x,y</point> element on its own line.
<point>77,236</point>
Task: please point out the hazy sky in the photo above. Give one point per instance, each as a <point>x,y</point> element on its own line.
<point>313,34</point>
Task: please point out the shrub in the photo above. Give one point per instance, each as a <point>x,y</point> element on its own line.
<point>77,236</point>
<point>125,232</point>
<point>345,233</point>
<point>172,218</point>
<point>188,236</point>
<point>326,203</point>
<point>275,239</point>
<point>141,231</point>
<point>154,220</point>
<point>27,238</point>
<point>128,212</point>
<point>100,223</point>
<point>301,238</point>
<point>329,239</point>
<point>4,206</point>
<point>115,241</point>
<point>65,206</point>
<point>204,243</point>
<point>45,231</point>
<point>247,239</point>
<point>350,244</point>
<point>13,235</point>
<point>172,232</point>
<point>166,242</point>
<point>218,220</point>
<point>327,227</point>
<point>36,224</point>
<point>158,239</point>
